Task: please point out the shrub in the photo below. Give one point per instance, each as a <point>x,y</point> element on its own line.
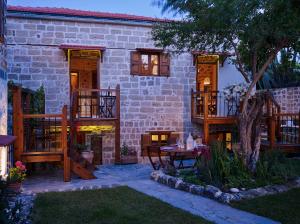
<point>225,169</point>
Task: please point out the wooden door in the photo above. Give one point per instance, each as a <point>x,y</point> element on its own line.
<point>96,146</point>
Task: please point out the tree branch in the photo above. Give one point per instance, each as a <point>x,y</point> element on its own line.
<point>258,75</point>
<point>239,65</point>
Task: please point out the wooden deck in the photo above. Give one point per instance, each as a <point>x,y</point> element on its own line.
<point>44,137</point>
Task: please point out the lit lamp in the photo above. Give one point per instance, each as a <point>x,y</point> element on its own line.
<point>206,81</point>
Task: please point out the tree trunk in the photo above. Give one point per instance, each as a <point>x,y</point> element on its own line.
<point>250,131</point>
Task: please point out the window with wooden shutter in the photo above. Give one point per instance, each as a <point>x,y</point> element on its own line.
<point>135,63</point>
<point>164,64</point>
<point>2,19</point>
<point>150,63</point>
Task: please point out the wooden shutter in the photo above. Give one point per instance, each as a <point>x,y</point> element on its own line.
<point>145,142</point>
<point>164,64</point>
<point>135,67</point>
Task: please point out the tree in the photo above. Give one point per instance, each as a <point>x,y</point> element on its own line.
<point>255,30</point>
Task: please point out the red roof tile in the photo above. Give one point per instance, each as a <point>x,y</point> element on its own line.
<point>76,12</point>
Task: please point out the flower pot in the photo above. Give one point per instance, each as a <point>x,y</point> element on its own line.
<point>129,159</point>
<point>14,187</point>
<point>88,155</point>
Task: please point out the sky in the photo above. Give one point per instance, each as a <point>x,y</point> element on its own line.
<point>135,7</point>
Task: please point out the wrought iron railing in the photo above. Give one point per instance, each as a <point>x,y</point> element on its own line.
<point>214,104</point>
<point>95,103</point>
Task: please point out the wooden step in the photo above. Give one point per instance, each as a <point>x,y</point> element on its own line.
<point>39,157</point>
<point>83,172</point>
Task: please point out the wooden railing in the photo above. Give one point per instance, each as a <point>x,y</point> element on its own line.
<point>42,137</point>
<point>284,129</point>
<point>213,104</point>
<point>96,103</point>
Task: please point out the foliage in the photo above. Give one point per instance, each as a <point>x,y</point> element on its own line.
<point>17,173</point>
<point>80,147</point>
<point>124,149</point>
<point>38,101</point>
<point>283,72</point>
<point>3,202</point>
<point>283,207</point>
<point>274,168</point>
<point>115,205</point>
<point>225,170</point>
<point>14,214</point>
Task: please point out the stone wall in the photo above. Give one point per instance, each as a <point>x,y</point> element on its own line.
<point>3,105</point>
<point>288,99</point>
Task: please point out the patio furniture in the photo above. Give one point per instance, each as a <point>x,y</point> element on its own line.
<point>177,154</point>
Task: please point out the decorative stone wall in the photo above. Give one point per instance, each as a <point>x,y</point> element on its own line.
<point>288,99</point>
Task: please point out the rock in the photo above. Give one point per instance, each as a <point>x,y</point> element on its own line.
<point>234,190</point>
<point>243,189</point>
<point>197,189</point>
<point>172,182</point>
<point>183,186</point>
<point>163,179</point>
<point>211,191</point>
<point>226,198</point>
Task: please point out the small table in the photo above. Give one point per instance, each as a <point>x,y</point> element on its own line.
<point>179,154</point>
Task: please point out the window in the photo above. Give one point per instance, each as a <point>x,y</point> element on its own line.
<point>2,19</point>
<point>150,63</point>
<point>228,141</point>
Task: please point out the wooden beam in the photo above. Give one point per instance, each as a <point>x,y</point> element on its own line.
<point>18,122</point>
<point>64,134</point>
<point>272,132</point>
<point>117,127</point>
<point>41,158</point>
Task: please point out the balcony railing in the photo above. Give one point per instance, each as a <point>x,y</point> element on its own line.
<point>96,103</point>
<point>214,104</point>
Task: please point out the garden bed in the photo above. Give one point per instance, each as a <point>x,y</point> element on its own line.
<point>216,193</point>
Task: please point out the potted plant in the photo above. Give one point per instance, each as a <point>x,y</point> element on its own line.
<point>85,152</point>
<point>128,156</point>
<point>16,176</point>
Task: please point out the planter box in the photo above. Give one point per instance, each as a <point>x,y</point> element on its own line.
<point>128,160</point>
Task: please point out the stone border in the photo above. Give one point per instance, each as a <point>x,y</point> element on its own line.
<point>215,193</point>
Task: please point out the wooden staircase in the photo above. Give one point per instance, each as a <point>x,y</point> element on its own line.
<point>82,167</point>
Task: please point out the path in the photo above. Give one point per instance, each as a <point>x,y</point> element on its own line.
<point>137,177</point>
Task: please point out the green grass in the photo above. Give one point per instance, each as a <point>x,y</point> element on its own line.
<point>120,205</point>
<point>283,207</point>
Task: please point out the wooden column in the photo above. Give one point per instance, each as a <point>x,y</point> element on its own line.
<point>64,143</point>
<point>18,124</point>
<point>205,120</point>
<point>117,127</point>
<point>272,131</point>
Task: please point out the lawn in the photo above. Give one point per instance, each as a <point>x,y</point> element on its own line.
<point>284,207</point>
<point>120,205</point>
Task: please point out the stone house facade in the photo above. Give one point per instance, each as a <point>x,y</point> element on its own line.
<point>35,58</point>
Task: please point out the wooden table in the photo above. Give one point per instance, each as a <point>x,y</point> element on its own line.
<point>178,154</point>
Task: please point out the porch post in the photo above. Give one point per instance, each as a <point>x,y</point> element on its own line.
<point>64,143</point>
<point>18,122</point>
<point>117,127</point>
